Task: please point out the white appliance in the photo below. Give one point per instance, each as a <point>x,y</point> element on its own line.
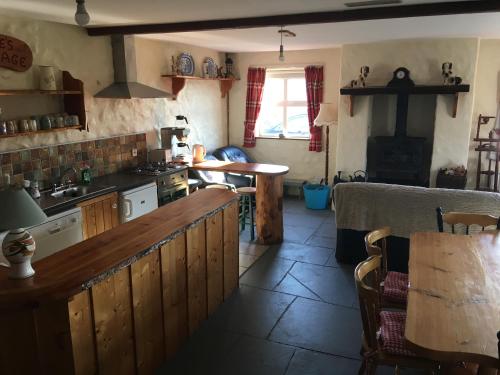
<point>137,202</point>
<point>57,233</point>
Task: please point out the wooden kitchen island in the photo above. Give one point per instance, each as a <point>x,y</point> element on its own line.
<point>269,194</point>
<point>122,302</point>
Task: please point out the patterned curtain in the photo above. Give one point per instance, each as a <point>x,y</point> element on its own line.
<point>255,86</point>
<point>314,87</point>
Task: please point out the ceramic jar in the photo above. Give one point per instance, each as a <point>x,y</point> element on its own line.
<point>18,247</point>
<point>3,127</point>
<point>23,126</point>
<point>45,123</point>
<point>11,127</point>
<point>47,78</point>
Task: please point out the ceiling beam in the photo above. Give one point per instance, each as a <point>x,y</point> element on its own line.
<point>402,11</point>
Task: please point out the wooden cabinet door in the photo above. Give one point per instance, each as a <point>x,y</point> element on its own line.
<point>99,214</point>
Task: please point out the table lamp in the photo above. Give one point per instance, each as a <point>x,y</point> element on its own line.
<point>327,116</point>
<point>18,211</point>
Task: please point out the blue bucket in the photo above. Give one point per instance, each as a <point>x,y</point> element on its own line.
<point>317,196</point>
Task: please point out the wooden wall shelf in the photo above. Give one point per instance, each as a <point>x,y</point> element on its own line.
<point>38,92</point>
<point>414,90</point>
<point>75,127</point>
<point>73,99</point>
<point>178,82</point>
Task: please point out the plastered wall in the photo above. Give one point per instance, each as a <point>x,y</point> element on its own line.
<point>69,48</point>
<point>294,153</point>
<point>423,58</point>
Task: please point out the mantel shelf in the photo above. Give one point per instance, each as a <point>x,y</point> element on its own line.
<point>408,90</point>
<point>178,82</point>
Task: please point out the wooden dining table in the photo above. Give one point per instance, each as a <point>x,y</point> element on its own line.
<point>453,311</point>
<point>268,196</point>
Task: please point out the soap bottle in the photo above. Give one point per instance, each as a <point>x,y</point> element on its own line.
<point>35,192</point>
<point>86,175</point>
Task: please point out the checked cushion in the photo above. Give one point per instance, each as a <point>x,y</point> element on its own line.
<point>392,329</point>
<point>395,287</point>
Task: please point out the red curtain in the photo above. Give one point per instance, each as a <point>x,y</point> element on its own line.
<point>314,87</point>
<point>255,86</point>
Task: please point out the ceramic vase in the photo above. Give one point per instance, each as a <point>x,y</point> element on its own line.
<point>47,78</point>
<point>18,247</point>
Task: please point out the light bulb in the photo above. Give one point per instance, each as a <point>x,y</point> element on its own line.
<point>282,54</point>
<point>82,18</point>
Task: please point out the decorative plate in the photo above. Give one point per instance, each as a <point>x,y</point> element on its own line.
<point>212,67</point>
<point>185,64</point>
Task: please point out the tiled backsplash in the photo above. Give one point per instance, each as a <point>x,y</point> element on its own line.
<point>47,164</point>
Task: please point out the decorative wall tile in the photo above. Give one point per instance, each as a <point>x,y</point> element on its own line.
<point>47,164</point>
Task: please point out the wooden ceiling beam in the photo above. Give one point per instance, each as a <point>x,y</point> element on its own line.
<point>402,11</point>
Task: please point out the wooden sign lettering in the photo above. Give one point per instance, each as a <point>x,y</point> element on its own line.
<point>15,54</point>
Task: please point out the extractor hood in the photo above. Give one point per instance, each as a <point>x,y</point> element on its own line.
<point>125,85</point>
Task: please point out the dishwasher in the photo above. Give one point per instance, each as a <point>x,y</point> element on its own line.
<point>57,233</point>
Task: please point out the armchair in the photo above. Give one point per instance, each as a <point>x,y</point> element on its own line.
<point>236,154</point>
<point>209,177</point>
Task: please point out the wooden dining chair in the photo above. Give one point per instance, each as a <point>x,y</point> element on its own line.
<point>383,331</point>
<point>394,285</point>
<point>466,219</point>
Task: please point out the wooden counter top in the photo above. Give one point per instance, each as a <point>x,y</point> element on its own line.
<point>82,265</point>
<point>243,168</point>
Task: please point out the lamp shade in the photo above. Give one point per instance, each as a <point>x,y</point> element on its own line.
<point>327,115</point>
<point>18,209</point>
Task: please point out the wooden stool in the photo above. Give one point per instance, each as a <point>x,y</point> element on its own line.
<point>247,197</point>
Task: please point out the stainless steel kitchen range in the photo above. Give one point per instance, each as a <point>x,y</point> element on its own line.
<point>171,180</point>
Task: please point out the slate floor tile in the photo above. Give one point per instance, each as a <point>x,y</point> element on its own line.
<point>252,356</point>
<point>290,285</point>
<point>247,260</point>
<point>242,270</point>
<point>321,327</point>
<point>204,353</point>
<point>267,271</point>
<point>333,285</point>
<point>326,229</point>
<point>306,362</point>
<point>251,311</point>
<point>303,220</point>
<point>315,240</point>
<point>301,252</point>
<point>250,248</point>
<point>297,234</point>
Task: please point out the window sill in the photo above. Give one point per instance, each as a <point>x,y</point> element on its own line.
<point>283,139</point>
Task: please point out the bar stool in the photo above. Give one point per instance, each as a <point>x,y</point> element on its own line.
<point>247,198</point>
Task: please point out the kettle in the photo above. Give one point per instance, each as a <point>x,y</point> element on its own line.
<point>199,152</point>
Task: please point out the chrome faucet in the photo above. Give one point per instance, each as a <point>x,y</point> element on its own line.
<point>65,178</point>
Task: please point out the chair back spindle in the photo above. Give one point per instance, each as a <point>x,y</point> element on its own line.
<point>367,278</point>
<point>376,244</point>
<point>466,219</point>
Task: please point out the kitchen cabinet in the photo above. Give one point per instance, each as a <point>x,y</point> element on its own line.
<point>99,214</point>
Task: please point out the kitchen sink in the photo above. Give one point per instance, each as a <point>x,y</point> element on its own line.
<point>78,191</point>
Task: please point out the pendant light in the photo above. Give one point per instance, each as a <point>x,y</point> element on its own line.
<point>82,17</point>
<point>282,54</point>
<point>287,33</point>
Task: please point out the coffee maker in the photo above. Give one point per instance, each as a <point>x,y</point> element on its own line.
<point>173,141</point>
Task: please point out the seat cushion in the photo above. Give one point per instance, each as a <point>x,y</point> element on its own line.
<point>232,153</point>
<point>392,329</point>
<point>395,287</point>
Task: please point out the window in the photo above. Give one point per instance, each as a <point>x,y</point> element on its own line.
<point>284,105</point>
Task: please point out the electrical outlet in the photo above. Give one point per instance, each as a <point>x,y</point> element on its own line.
<point>134,152</point>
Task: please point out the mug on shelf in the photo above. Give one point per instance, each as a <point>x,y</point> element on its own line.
<point>11,127</point>
<point>3,127</point>
<point>23,126</point>
<point>33,125</point>
<point>45,123</point>
<point>59,120</point>
<point>71,120</point>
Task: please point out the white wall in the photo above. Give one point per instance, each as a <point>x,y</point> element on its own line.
<point>485,101</point>
<point>423,57</point>
<point>89,59</point>
<point>294,153</point>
